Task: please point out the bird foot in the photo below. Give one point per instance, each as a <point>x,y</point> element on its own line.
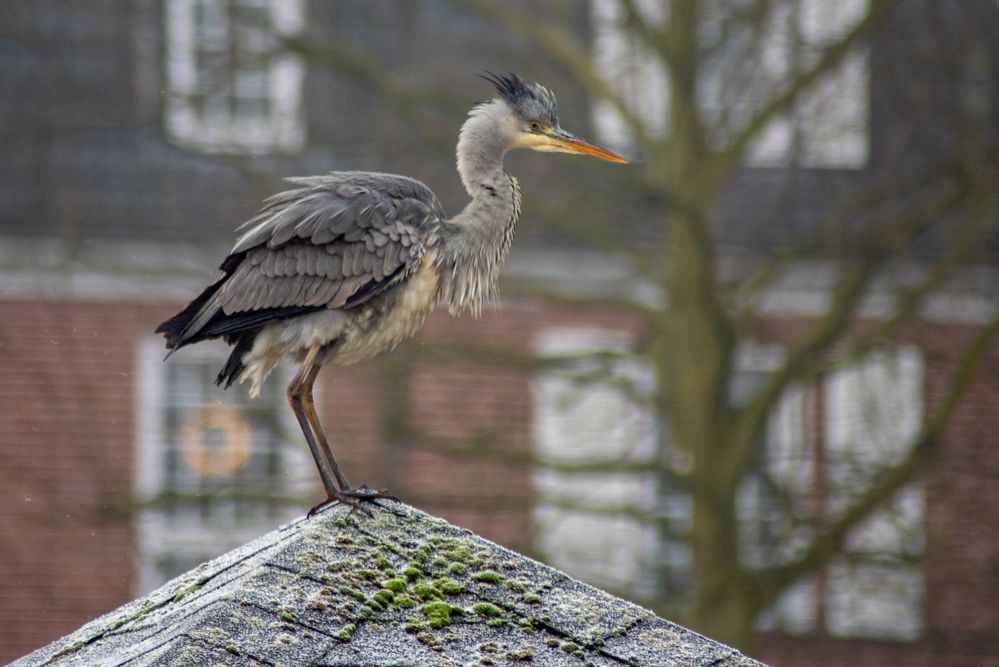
<point>354,499</point>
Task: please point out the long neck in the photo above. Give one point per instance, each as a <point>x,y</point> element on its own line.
<point>475,242</point>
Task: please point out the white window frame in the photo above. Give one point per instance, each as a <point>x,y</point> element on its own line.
<point>871,594</point>
<point>189,537</point>
<point>255,109</point>
<point>789,458</point>
<point>877,591</point>
<point>573,530</point>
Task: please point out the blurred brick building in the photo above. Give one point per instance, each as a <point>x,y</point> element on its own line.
<point>123,171</point>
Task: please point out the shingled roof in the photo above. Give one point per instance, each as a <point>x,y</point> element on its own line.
<point>401,588</point>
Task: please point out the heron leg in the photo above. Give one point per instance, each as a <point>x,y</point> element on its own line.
<point>317,427</point>
<point>304,407</point>
<point>296,398</point>
<point>354,498</point>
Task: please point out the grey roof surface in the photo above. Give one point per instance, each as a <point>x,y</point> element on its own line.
<point>401,588</point>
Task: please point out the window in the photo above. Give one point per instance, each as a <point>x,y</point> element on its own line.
<point>637,75</point>
<point>773,500</point>
<point>230,86</point>
<point>214,468</point>
<point>874,411</point>
<point>588,521</point>
<point>823,446</point>
<point>746,67</point>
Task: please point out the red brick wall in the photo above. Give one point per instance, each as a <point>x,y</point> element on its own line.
<point>445,422</point>
<point>66,404</point>
<point>938,651</point>
<point>962,529</point>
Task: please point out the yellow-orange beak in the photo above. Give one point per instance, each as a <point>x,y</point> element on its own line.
<point>566,142</point>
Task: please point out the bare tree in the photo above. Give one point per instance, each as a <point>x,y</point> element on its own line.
<point>732,72</point>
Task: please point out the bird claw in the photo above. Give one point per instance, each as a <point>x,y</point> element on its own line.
<point>354,499</point>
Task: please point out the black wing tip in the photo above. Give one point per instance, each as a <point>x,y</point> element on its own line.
<point>172,331</point>
<point>234,367</point>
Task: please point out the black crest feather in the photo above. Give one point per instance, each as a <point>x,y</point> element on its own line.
<point>511,87</point>
<point>533,100</point>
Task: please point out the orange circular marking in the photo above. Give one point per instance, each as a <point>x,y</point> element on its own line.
<point>215,461</point>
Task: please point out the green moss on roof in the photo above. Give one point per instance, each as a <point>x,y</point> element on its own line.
<point>460,553</point>
<point>426,591</point>
<point>384,596</point>
<point>516,585</point>
<point>438,614</point>
<point>450,587</point>
<point>487,609</point>
<point>395,585</point>
<point>488,577</point>
<point>69,649</point>
<point>346,633</point>
<point>355,593</point>
<point>181,594</point>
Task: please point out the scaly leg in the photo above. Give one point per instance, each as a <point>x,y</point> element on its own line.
<point>319,444</point>
<point>295,399</point>
<point>317,427</point>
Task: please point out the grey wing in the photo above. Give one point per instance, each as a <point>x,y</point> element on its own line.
<point>342,203</point>
<point>333,244</point>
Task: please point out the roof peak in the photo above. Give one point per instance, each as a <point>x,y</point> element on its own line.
<point>403,587</point>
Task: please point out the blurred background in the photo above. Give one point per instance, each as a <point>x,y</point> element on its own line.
<point>749,381</point>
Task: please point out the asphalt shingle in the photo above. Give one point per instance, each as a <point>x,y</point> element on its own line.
<point>401,588</point>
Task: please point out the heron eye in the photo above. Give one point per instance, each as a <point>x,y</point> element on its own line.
<point>534,126</point>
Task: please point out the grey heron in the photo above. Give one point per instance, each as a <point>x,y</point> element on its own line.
<point>349,264</point>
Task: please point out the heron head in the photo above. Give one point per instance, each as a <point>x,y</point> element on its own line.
<point>534,115</point>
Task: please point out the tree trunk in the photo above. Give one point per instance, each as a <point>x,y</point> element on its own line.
<point>721,608</point>
<point>697,349</point>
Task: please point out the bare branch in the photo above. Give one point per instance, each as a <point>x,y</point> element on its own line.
<point>407,95</point>
<point>781,103</point>
<point>833,228</point>
<point>651,35</point>
<point>771,581</point>
<point>912,298</point>
<point>808,356</point>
